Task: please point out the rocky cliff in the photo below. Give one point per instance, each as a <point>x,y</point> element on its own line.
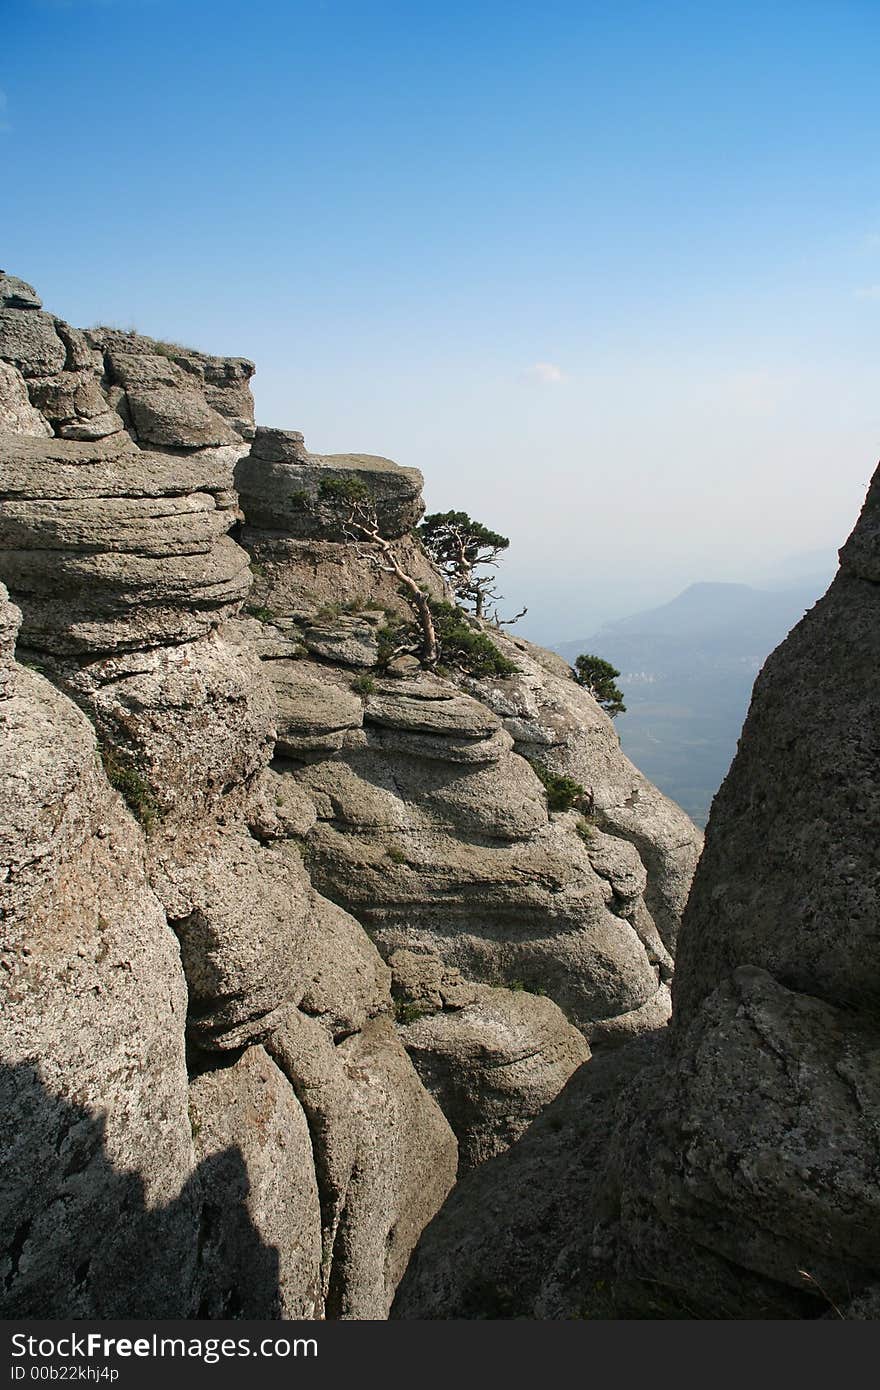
<point>290,933</point>
<point>729,1166</point>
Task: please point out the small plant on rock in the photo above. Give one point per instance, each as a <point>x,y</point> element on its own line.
<point>125,778</point>
<point>407,1011</point>
<point>262,615</point>
<point>563,793</point>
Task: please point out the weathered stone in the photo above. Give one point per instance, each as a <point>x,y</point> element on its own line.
<point>239,910</point>
<point>101,602</point>
<point>17,415</point>
<point>303,1050</point>
<point>283,491</point>
<point>223,381</point>
<point>68,396</point>
<point>343,981</point>
<point>787,1186</point>
<point>10,622</point>
<point>195,720</point>
<point>345,640</point>
<point>92,1039</point>
<point>278,446</point>
<point>296,574</point>
<point>495,1244</point>
<point>312,714</point>
<point>255,1151</point>
<point>121,561</point>
<point>29,341</point>
<point>493,1065</point>
<point>16,294</point>
<point>406,1163</point>
<point>269,642</point>
<point>94,427</point>
<point>789,881</point>
<point>428,983</point>
<point>279,808</point>
<point>558,724</point>
<point>734,1173</point>
<point>529,912</point>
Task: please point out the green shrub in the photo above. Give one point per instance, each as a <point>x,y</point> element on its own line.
<point>262,615</point>
<point>328,611</point>
<point>465,646</point>
<point>364,685</point>
<point>395,854</point>
<point>405,1011</point>
<point>597,676</point>
<point>125,778</point>
<point>344,489</point>
<point>562,792</point>
<point>524,987</point>
<point>586,827</point>
<point>391,635</point>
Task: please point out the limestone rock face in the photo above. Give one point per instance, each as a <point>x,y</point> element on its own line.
<point>431,826</point>
<point>406,1159</point>
<point>92,1038</point>
<point>556,723</point>
<point>29,341</point>
<point>114,542</point>
<point>194,719</point>
<point>495,1247</point>
<point>731,1170</point>
<point>17,415</point>
<point>493,1064</point>
<point>16,294</point>
<point>253,1141</point>
<point>108,548</point>
<point>385,1156</point>
<point>174,395</point>
<point>284,488</point>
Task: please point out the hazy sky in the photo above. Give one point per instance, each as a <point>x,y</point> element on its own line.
<point>608,273</point>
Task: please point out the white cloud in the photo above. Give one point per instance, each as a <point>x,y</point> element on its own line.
<point>545,372</point>
<point>868,292</point>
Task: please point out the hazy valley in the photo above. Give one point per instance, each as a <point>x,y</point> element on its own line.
<point>687,671</point>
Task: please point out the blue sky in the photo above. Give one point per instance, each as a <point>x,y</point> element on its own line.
<point>609,273</point>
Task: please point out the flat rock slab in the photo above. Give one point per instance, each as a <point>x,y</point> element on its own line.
<point>450,715</point>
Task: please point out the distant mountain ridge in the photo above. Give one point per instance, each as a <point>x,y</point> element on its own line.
<point>687,670</point>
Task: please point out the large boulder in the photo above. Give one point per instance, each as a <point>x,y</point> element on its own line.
<point>285,488</point>
<point>789,880</point>
<point>731,1170</point>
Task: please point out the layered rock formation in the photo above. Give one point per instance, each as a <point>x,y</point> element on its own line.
<point>299,914</point>
<point>731,1166</point>
<point>432,827</point>
<point>293,1178</point>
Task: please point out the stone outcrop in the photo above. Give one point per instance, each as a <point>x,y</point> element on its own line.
<point>295,935</point>
<point>93,1062</point>
<point>432,827</point>
<point>729,1167</point>
<point>195,936</point>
